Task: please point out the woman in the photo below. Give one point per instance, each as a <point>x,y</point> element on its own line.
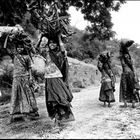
<point>58,96</point>
<point>107,79</point>
<point>61,61</point>
<point>129,85</point>
<point>23,102</point>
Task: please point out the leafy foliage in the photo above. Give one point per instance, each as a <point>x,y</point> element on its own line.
<point>12,12</point>
<point>81,47</point>
<point>6,76</point>
<point>13,40</point>
<point>96,11</point>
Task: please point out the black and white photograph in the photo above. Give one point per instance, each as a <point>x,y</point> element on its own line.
<point>69,69</point>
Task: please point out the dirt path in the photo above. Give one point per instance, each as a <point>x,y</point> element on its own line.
<point>93,120</point>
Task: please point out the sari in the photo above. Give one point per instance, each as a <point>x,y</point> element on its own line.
<point>129,81</point>
<point>23,100</point>
<point>58,96</point>
<point>107,83</point>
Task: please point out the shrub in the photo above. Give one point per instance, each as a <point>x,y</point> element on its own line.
<point>6,76</point>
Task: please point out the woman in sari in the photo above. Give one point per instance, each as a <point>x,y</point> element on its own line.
<point>58,96</point>
<point>129,85</point>
<point>61,61</point>
<point>23,102</point>
<point>107,79</point>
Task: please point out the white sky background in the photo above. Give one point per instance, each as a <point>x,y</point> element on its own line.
<point>126,21</point>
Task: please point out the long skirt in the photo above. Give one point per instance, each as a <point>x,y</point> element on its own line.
<point>127,86</point>
<point>107,92</point>
<point>23,99</point>
<point>58,98</point>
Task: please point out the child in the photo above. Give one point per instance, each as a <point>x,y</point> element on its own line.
<point>23,102</point>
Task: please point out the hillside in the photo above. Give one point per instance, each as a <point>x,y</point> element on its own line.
<point>81,74</point>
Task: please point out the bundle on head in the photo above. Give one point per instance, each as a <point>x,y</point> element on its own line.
<point>10,41</point>
<point>104,57</point>
<point>51,22</point>
<point>124,45</point>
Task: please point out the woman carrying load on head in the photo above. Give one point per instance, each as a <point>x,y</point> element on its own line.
<point>107,79</point>
<point>129,85</point>
<point>61,61</point>
<point>58,96</point>
<point>23,102</point>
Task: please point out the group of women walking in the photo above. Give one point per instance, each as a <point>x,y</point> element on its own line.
<point>58,95</point>
<point>129,83</point>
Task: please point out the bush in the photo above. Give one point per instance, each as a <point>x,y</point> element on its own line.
<point>82,47</point>
<point>6,95</point>
<point>6,76</point>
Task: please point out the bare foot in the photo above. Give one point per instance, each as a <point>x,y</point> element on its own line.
<point>125,104</point>
<point>109,105</point>
<point>56,127</point>
<point>71,118</point>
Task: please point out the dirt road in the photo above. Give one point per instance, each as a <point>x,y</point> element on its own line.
<point>93,120</point>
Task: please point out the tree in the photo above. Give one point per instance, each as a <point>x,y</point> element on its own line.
<point>98,13</point>
<point>13,12</point>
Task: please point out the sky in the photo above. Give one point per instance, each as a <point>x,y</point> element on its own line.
<point>126,21</point>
